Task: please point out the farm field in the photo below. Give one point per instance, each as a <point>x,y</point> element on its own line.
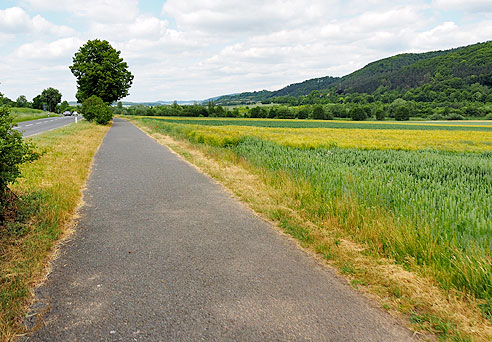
<point>419,197</point>
<point>315,134</point>
<point>28,114</point>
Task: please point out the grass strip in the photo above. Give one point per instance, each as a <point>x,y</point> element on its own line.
<point>28,114</point>
<point>280,197</point>
<point>49,193</point>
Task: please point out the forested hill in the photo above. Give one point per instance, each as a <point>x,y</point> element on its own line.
<point>471,63</point>
<point>439,72</point>
<point>304,88</point>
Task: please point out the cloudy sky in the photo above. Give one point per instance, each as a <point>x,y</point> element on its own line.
<point>196,49</point>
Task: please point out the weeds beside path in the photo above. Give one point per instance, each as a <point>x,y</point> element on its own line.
<point>49,192</point>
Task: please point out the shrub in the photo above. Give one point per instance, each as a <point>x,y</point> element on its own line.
<point>303,113</point>
<point>436,117</point>
<point>328,114</point>
<point>380,114</point>
<point>455,116</point>
<point>488,116</point>
<point>358,114</point>
<point>13,152</point>
<point>94,109</point>
<point>318,112</point>
<point>402,113</point>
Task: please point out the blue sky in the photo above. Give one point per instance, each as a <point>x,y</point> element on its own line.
<point>196,49</point>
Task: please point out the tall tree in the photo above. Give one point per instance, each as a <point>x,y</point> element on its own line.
<point>100,71</point>
<point>21,101</point>
<point>37,102</point>
<point>51,97</point>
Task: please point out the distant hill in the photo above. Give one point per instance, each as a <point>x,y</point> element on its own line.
<point>456,68</point>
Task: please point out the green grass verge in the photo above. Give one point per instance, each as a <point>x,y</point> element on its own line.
<point>28,114</point>
<point>49,192</point>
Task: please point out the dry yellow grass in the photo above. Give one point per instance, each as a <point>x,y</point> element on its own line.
<point>55,182</point>
<point>406,295</point>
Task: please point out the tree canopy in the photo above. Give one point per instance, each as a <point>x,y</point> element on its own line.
<point>51,97</point>
<point>100,71</point>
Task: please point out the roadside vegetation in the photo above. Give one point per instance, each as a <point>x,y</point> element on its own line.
<point>407,223</point>
<point>46,197</point>
<point>28,114</point>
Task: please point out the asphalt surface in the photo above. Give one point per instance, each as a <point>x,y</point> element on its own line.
<point>29,128</point>
<point>162,253</point>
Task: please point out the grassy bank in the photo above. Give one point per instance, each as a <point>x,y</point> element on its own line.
<point>49,193</point>
<point>407,225</point>
<point>28,114</point>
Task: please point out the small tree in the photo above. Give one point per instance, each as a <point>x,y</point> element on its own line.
<point>13,152</point>
<point>318,112</point>
<point>64,106</point>
<point>21,101</point>
<point>402,113</point>
<point>94,109</point>
<point>100,71</point>
<point>51,97</point>
<point>380,114</point>
<point>37,102</point>
<point>358,114</point>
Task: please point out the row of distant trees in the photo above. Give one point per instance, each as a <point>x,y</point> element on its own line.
<point>49,99</point>
<point>399,109</point>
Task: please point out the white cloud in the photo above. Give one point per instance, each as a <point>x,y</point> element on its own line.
<point>233,17</point>
<point>477,6</point>
<point>40,50</point>
<point>196,49</point>
<point>94,10</point>
<point>15,20</point>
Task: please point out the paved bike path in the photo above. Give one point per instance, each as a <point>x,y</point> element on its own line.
<point>162,253</point>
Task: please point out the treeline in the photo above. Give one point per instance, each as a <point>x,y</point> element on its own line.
<point>399,109</point>
<point>49,100</point>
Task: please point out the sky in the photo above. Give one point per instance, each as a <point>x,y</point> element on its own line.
<point>197,49</point>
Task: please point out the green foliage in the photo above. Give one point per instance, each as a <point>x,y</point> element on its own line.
<point>13,152</point>
<point>358,114</point>
<point>37,102</point>
<point>64,106</point>
<point>100,71</point>
<point>402,113</point>
<point>21,102</point>
<point>51,97</point>
<point>380,114</point>
<point>94,109</point>
<point>318,112</point>
<point>489,116</point>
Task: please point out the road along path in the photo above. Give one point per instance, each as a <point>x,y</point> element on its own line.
<point>30,128</point>
<point>162,253</point>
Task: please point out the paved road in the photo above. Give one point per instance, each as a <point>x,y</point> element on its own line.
<point>29,128</point>
<point>162,253</point>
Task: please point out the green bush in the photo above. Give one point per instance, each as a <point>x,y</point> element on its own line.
<point>455,116</point>
<point>318,112</point>
<point>13,152</point>
<point>358,114</point>
<point>94,109</point>
<point>402,113</point>
<point>436,117</point>
<point>380,114</point>
<point>488,116</point>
